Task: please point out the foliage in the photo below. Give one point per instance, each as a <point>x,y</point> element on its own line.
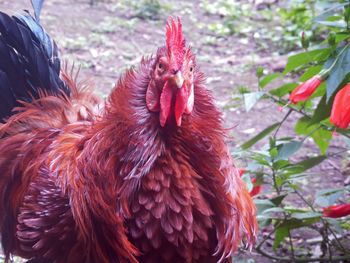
<point>285,21</point>
<point>274,164</point>
<point>148,9</point>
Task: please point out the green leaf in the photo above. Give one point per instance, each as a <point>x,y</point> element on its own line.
<point>330,191</point>
<point>310,72</point>
<point>323,201</point>
<point>273,210</point>
<point>250,99</point>
<point>263,204</point>
<point>322,138</point>
<point>310,162</point>
<point>259,136</point>
<point>335,225</point>
<point>261,159</point>
<point>291,210</point>
<point>280,234</point>
<point>248,181</point>
<point>306,215</point>
<point>268,78</point>
<point>329,12</point>
<point>293,186</point>
<point>284,89</point>
<point>278,199</point>
<point>322,111</point>
<point>339,72</point>
<point>339,24</point>
<point>298,60</point>
<point>320,91</point>
<point>288,149</point>
<point>293,223</point>
<point>273,153</point>
<point>341,36</point>
<point>328,197</point>
<point>259,72</point>
<point>277,165</point>
<point>301,127</point>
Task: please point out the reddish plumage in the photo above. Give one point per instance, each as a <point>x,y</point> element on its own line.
<point>119,186</point>
<point>58,210</point>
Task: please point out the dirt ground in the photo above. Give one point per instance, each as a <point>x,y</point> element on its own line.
<point>108,37</point>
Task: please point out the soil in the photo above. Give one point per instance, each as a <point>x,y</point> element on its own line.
<point>106,38</point>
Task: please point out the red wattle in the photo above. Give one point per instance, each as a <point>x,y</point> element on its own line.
<point>165,103</point>
<point>181,103</point>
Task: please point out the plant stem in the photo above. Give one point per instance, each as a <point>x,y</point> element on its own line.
<point>337,153</point>
<point>328,242</point>
<point>275,182</point>
<point>291,244</point>
<point>283,120</point>
<point>337,58</point>
<point>310,133</point>
<point>269,235</point>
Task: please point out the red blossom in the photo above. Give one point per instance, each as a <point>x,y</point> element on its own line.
<point>241,171</point>
<point>256,189</point>
<point>340,115</point>
<point>336,211</point>
<point>305,89</point>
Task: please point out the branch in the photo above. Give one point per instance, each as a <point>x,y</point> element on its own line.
<point>324,222</point>
<point>281,123</point>
<point>269,235</point>
<point>291,244</point>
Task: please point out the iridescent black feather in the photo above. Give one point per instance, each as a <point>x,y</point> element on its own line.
<point>29,62</point>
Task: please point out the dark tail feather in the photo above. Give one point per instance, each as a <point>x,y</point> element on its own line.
<point>29,62</point>
<point>37,5</point>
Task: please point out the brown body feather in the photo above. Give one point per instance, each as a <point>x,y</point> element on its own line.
<point>77,186</point>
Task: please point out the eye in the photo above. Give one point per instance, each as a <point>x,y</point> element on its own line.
<point>160,66</point>
<point>191,69</point>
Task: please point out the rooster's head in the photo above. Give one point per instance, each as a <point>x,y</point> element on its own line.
<point>170,91</point>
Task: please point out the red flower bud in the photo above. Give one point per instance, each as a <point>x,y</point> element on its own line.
<point>336,211</point>
<point>256,189</point>
<point>305,89</point>
<point>304,40</point>
<point>241,171</point>
<point>340,115</point>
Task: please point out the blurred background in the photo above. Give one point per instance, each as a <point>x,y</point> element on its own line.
<point>232,40</point>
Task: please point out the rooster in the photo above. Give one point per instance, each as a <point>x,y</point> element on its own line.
<point>146,178</point>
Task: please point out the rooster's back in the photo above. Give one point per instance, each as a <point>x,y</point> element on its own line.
<point>43,113</point>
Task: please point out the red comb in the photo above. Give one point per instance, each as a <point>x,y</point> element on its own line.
<point>175,42</point>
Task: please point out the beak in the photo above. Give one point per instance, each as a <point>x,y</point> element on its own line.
<point>178,79</point>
